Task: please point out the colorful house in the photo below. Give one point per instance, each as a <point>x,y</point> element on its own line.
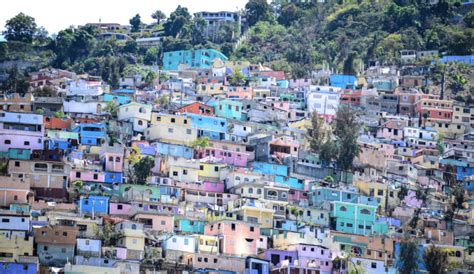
<point>200,58</point>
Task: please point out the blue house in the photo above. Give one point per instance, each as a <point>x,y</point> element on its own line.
<point>92,134</point>
<point>174,150</point>
<point>255,265</point>
<point>465,59</point>
<point>291,182</point>
<point>343,81</point>
<point>213,127</point>
<point>271,169</point>
<point>94,205</point>
<point>113,177</point>
<point>191,226</point>
<point>119,99</point>
<point>356,218</point>
<point>18,268</point>
<point>200,58</point>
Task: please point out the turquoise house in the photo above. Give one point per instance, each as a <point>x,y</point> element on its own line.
<point>356,219</point>
<point>119,99</point>
<point>191,226</point>
<point>229,109</point>
<point>199,58</point>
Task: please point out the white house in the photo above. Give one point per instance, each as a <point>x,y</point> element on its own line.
<point>138,114</point>
<point>324,100</point>
<point>89,247</point>
<point>181,243</point>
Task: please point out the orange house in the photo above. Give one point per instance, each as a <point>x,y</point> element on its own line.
<point>57,123</point>
<point>197,108</point>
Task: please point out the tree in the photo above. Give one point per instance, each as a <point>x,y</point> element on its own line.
<point>408,263</point>
<point>108,234</point>
<point>289,13</point>
<point>158,16</point>
<point>131,46</point>
<point>21,28</point>
<point>151,56</point>
<point>458,83</point>
<point>257,10</point>
<point>136,23</point>
<point>440,143</point>
<point>142,169</point>
<point>349,64</point>
<point>177,20</point>
<point>237,78</point>
<point>201,143</point>
<point>16,81</point>
<point>436,260</point>
<point>150,78</point>
<point>469,19</point>
<point>315,134</point>
<point>346,132</point>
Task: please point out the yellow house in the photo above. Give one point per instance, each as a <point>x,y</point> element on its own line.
<point>182,169</point>
<point>174,129</point>
<point>209,171</point>
<point>132,237</point>
<point>87,227</point>
<point>449,129</point>
<point>252,211</point>
<point>208,244</point>
<point>211,89</point>
<point>15,244</point>
<point>379,191</point>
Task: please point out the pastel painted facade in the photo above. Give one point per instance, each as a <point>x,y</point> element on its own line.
<point>323,100</point>
<point>355,218</point>
<point>229,109</point>
<point>343,81</point>
<point>197,108</point>
<point>237,238</point>
<point>182,243</point>
<point>21,130</point>
<point>156,222</point>
<point>174,150</point>
<point>201,58</point>
<point>92,134</point>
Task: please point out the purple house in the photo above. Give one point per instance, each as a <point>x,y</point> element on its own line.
<point>276,256</point>
<point>21,130</point>
<point>314,256</point>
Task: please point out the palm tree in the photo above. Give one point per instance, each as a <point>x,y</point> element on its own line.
<point>158,16</point>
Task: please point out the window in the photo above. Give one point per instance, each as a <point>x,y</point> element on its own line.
<point>78,175</point>
<point>232,226</point>
<point>215,260</point>
<point>199,259</point>
<point>134,241</point>
<point>272,194</point>
<point>186,241</point>
<point>252,229</point>
<point>117,159</point>
<point>163,222</point>
<point>119,206</point>
<point>173,120</point>
<point>65,234</point>
<point>140,122</point>
<point>15,197</point>
<point>380,192</point>
<point>374,265</point>
<point>134,226</point>
<point>170,130</point>
<point>259,191</point>
<point>349,225</point>
<point>17,164</point>
<point>7,142</point>
<point>216,168</point>
<point>26,143</point>
<point>185,172</point>
<point>365,211</point>
<point>201,167</point>
<point>343,209</point>
<point>250,191</point>
<point>45,248</point>
<point>5,220</point>
<point>96,176</point>
<point>188,131</point>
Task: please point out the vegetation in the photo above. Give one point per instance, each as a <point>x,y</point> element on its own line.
<point>408,257</point>
<point>436,260</point>
<point>108,234</point>
<point>141,170</point>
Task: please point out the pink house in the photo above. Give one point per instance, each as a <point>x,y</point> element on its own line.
<point>113,158</point>
<point>156,222</point>
<point>120,209</point>
<point>14,190</point>
<point>295,195</point>
<point>230,153</point>
<point>300,83</point>
<point>392,130</point>
<point>236,237</point>
<point>240,93</point>
<point>314,256</point>
<point>87,175</point>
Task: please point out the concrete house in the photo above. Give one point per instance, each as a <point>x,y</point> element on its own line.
<point>235,237</point>
<point>55,245</point>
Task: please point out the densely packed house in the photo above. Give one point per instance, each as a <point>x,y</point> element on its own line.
<point>207,174</point>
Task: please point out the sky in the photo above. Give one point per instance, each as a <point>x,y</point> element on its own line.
<point>56,15</point>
